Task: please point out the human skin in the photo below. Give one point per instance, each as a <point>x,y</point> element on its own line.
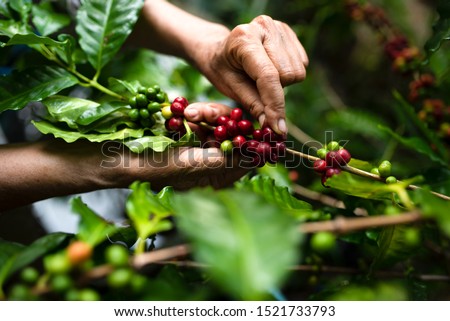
<point>250,63</point>
<point>36,171</point>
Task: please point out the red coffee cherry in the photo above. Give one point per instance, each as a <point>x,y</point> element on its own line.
<point>320,166</point>
<point>236,114</point>
<point>280,148</point>
<point>175,124</point>
<point>268,135</point>
<point>344,157</point>
<point>332,171</point>
<point>264,150</point>
<point>239,141</point>
<point>332,159</point>
<point>258,135</point>
<point>177,108</point>
<point>250,147</point>
<point>222,120</point>
<point>245,127</point>
<point>232,128</point>
<point>183,101</point>
<point>220,133</point>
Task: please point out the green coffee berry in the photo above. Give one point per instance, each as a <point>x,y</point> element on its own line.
<point>160,97</point>
<point>132,102</point>
<point>119,278</point>
<point>141,101</point>
<point>391,180</point>
<point>412,236</point>
<point>385,168</point>
<point>57,263</point>
<point>151,94</point>
<point>88,295</point>
<point>375,171</point>
<point>144,113</point>
<point>133,114</point>
<point>323,241</point>
<point>154,107</point>
<point>226,146</point>
<point>322,153</point>
<point>117,255</point>
<point>142,90</point>
<point>61,283</point>
<point>333,145</point>
<point>29,275</point>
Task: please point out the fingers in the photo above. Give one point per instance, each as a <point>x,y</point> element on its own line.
<point>271,56</point>
<point>207,112</point>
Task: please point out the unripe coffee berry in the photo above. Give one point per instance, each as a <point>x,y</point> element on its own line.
<point>150,93</point>
<point>391,180</point>
<point>375,171</point>
<point>166,112</point>
<point>333,146</point>
<point>117,255</point>
<point>226,146</point>
<point>153,107</point>
<point>322,153</point>
<point>141,101</point>
<point>133,114</point>
<point>385,168</point>
<point>160,97</point>
<point>132,102</point>
<point>79,252</point>
<point>144,113</point>
<point>323,242</point>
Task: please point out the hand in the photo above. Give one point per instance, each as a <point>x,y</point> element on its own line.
<point>252,64</point>
<point>187,167</point>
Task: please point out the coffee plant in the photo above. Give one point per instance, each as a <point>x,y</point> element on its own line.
<point>363,215</point>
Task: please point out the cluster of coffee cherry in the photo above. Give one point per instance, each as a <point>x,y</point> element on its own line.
<point>232,134</point>
<point>145,104</point>
<point>331,158</point>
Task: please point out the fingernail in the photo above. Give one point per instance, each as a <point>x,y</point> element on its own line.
<point>262,119</point>
<point>282,125</point>
<point>191,112</point>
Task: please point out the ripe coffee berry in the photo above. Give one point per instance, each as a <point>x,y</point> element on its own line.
<point>222,120</point>
<point>183,101</point>
<point>320,166</point>
<point>258,135</point>
<point>280,148</point>
<point>175,124</point>
<point>264,150</point>
<point>332,159</point>
<point>239,141</point>
<point>232,128</point>
<point>246,127</point>
<point>268,135</point>
<point>250,147</point>
<point>220,133</point>
<point>344,157</point>
<point>177,108</point>
<point>332,171</point>
<point>236,114</point>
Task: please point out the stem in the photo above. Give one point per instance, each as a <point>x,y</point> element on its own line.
<point>363,173</point>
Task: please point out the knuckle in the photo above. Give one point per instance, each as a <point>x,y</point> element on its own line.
<point>263,20</point>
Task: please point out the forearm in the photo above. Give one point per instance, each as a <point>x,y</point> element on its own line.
<point>35,171</point>
<point>167,29</point>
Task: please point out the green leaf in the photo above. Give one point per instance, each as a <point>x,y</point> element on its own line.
<point>365,188</point>
<point>70,136</point>
<point>20,88</point>
<point>4,9</point>
<point>23,7</point>
<point>393,247</point>
<point>441,28</point>
<point>416,144</point>
<point>157,143</point>
<point>277,195</point>
<point>14,257</point>
<point>149,211</point>
<point>92,228</point>
<point>120,86</point>
<point>248,243</point>
<point>10,27</point>
<point>103,26</point>
<point>77,112</point>
<point>435,208</point>
<point>46,20</point>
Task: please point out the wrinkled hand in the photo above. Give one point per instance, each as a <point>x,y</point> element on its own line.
<point>187,167</point>
<point>253,63</point>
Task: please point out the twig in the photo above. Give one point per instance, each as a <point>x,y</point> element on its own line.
<point>324,199</point>
<point>362,173</point>
<point>300,135</point>
<point>341,225</point>
<point>326,269</point>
